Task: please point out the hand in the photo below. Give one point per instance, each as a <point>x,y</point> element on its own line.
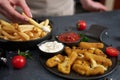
<point>91,5</point>
<point>7,8</point>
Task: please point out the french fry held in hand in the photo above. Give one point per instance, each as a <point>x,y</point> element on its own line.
<point>33,22</point>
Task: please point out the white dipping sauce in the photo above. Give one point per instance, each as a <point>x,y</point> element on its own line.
<point>46,28</point>
<point>51,47</point>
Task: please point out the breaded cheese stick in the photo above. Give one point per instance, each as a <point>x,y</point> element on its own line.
<point>65,66</point>
<point>100,52</point>
<point>53,61</point>
<point>99,59</point>
<point>68,50</point>
<point>81,67</point>
<point>91,45</point>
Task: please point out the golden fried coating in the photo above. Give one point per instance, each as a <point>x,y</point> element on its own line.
<point>82,50</point>
<point>79,50</point>
<point>80,66</point>
<point>68,50</point>
<point>84,68</point>
<point>100,52</point>
<point>99,59</point>
<point>80,56</point>
<point>95,64</point>
<point>65,66</point>
<point>53,61</point>
<point>86,59</point>
<point>73,57</point>
<point>90,45</point>
<point>95,71</point>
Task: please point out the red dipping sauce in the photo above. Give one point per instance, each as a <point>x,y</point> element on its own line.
<point>69,37</point>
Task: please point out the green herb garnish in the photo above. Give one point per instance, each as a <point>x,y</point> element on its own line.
<point>25,54</point>
<point>84,38</point>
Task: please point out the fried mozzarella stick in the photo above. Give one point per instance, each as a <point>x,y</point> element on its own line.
<point>65,66</point>
<point>79,50</point>
<point>90,45</point>
<point>99,59</point>
<point>53,61</point>
<point>83,67</point>
<point>95,71</point>
<point>100,52</point>
<point>68,50</point>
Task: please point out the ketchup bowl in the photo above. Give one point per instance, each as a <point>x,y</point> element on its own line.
<point>49,48</point>
<point>69,38</point>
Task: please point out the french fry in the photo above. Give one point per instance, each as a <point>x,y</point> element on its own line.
<point>4,23</point>
<point>39,31</point>
<point>33,22</point>
<point>25,27</point>
<point>46,22</point>
<point>31,34</point>
<point>24,36</point>
<point>8,29</point>
<point>23,32</point>
<point>11,37</point>
<point>42,23</point>
<point>43,34</point>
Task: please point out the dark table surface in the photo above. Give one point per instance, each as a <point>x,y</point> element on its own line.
<point>35,71</point>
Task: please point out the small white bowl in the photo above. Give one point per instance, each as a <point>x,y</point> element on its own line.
<point>50,48</point>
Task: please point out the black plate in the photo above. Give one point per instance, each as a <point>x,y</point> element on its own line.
<point>24,45</point>
<point>93,37</point>
<point>74,75</point>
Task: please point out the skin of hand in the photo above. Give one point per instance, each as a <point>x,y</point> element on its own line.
<point>7,9</point>
<point>91,5</point>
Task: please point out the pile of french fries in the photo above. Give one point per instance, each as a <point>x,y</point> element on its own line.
<point>23,32</point>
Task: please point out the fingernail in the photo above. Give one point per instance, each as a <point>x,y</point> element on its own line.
<point>30,14</point>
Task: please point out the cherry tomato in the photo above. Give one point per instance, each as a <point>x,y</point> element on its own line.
<point>18,61</point>
<point>81,25</point>
<point>112,51</point>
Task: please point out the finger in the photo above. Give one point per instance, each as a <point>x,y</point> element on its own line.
<point>5,14</point>
<point>11,18</point>
<point>25,8</point>
<point>12,12</point>
<point>12,3</point>
<point>101,7</point>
